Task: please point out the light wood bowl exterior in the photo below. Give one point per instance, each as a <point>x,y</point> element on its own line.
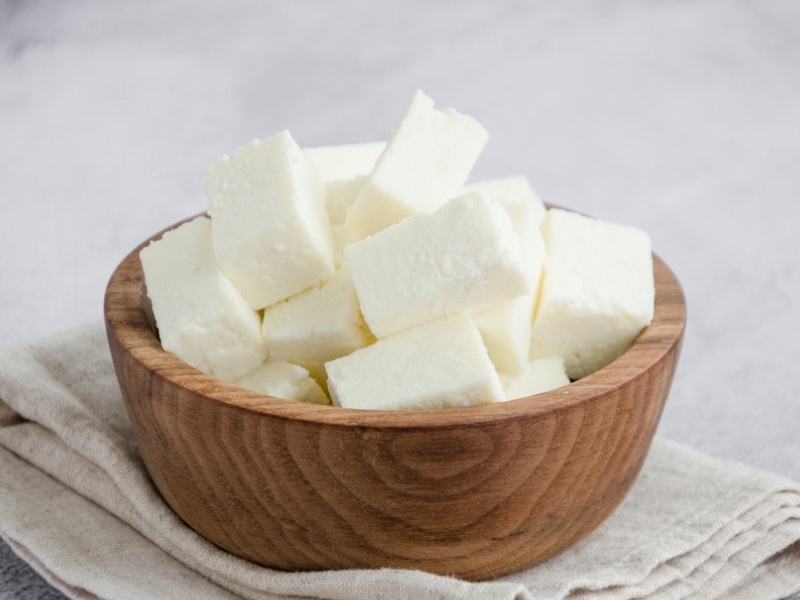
<point>471,492</point>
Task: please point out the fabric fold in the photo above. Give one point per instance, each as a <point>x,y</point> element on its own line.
<point>76,502</point>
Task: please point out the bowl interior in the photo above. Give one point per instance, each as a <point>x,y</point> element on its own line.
<point>129,314</point>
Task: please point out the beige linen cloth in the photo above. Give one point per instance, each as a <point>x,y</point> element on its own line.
<point>76,502</point>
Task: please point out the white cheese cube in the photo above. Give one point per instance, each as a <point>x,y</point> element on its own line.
<point>506,331</point>
<point>528,230</point>
<point>427,160</point>
<point>284,380</point>
<point>345,161</point>
<point>506,327</point>
<point>512,190</point>
<point>201,317</point>
<point>436,365</point>
<point>597,293</point>
<point>540,375</point>
<point>270,227</point>
<point>318,325</point>
<point>464,256</point>
<point>530,237</point>
<point>339,195</point>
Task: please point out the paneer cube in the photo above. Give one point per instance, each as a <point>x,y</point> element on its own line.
<point>464,256</point>
<point>201,316</point>
<point>540,375</point>
<point>436,365</point>
<point>597,293</point>
<point>345,161</point>
<point>316,326</point>
<point>427,160</point>
<point>512,190</point>
<point>506,327</point>
<point>270,227</point>
<point>286,381</point>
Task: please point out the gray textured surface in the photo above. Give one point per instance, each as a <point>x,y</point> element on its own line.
<point>682,118</point>
<point>18,580</point>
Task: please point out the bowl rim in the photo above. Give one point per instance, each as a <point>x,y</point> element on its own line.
<point>126,319</point>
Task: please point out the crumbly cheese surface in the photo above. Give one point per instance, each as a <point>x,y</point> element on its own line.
<point>436,365</point>
<point>270,228</point>
<point>339,195</point>
<point>427,160</point>
<point>512,190</point>
<point>597,291</point>
<point>284,380</point>
<point>202,318</point>
<point>540,375</point>
<point>318,325</point>
<point>506,327</point>
<point>465,255</point>
<point>527,227</point>
<point>506,331</point>
<point>344,161</point>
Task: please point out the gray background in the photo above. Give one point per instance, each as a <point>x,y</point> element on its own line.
<point>681,118</point>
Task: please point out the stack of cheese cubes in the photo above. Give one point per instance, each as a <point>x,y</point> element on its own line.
<point>376,277</point>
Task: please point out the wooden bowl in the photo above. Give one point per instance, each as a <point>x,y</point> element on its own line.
<point>471,492</point>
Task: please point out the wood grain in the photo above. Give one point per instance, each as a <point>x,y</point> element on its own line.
<point>471,492</point>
